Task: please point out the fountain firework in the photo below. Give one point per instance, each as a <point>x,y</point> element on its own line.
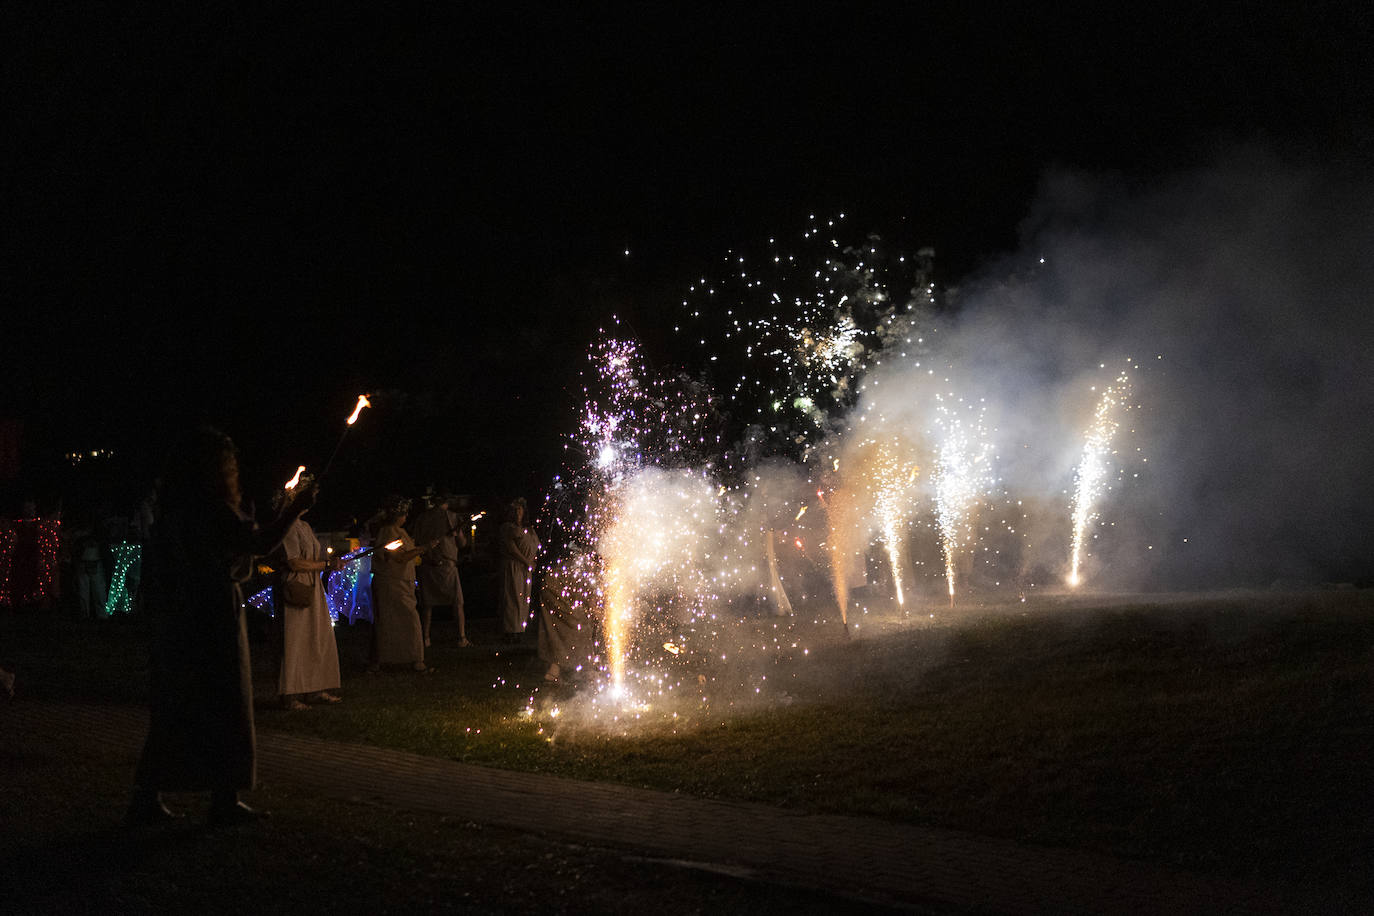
<point>678,512</point>
<point>962,478</point>
<point>1094,467</point>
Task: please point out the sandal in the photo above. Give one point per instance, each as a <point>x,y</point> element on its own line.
<point>324,696</point>
<point>465,643</point>
<point>293,705</point>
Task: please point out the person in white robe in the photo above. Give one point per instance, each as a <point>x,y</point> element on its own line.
<point>397,636</point>
<point>518,548</point>
<point>309,656</point>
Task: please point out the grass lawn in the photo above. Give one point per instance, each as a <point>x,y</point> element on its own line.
<point>1228,734</point>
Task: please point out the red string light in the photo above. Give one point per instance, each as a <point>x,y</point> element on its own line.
<point>28,561</point>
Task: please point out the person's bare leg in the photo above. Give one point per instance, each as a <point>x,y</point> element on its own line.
<point>462,622</point>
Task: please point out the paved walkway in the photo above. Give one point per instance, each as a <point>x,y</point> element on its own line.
<point>871,859</point>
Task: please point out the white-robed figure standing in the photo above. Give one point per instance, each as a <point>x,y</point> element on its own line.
<point>397,637</point>
<point>518,546</point>
<point>309,654</point>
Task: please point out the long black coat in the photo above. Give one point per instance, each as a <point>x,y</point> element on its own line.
<point>201,731</point>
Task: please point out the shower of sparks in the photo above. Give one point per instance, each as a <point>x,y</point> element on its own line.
<point>892,491</point>
<point>675,518</point>
<point>803,322</point>
<point>962,478</point>
<point>1094,467</point>
<point>657,540</point>
<point>843,546</point>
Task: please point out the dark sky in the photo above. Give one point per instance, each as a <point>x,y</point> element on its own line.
<point>252,217</point>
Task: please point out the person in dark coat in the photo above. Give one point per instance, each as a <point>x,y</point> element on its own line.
<point>200,734</point>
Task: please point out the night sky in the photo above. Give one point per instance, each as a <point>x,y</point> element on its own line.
<point>251,217</point>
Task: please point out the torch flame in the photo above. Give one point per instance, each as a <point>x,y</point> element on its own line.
<point>291,484</point>
<point>393,545</point>
<point>672,647</point>
<point>362,402</point>
<point>478,515</point>
<point>800,513</point>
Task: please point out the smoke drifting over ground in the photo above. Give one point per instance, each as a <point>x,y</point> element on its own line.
<point>1201,338</point>
<point>1243,293</point>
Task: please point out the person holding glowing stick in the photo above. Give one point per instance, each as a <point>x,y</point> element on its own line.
<point>200,732</point>
<point>397,636</point>
<point>310,657</point>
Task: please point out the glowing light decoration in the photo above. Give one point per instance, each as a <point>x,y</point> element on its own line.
<point>349,595</point>
<point>125,578</point>
<point>1094,468</point>
<point>28,561</point>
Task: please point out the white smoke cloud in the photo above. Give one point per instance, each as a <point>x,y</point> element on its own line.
<point>1243,291</point>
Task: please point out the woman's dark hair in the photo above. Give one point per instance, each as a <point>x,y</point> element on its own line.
<point>198,469</point>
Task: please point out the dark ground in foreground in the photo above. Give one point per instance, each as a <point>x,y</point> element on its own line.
<point>1224,734</point>
<point>64,851</point>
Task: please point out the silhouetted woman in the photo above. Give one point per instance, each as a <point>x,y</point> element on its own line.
<point>200,735</point>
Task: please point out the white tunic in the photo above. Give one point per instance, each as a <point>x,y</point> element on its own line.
<point>309,656</point>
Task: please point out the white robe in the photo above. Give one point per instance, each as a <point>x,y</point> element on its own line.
<point>399,638</point>
<point>309,656</point>
<point>519,547</point>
